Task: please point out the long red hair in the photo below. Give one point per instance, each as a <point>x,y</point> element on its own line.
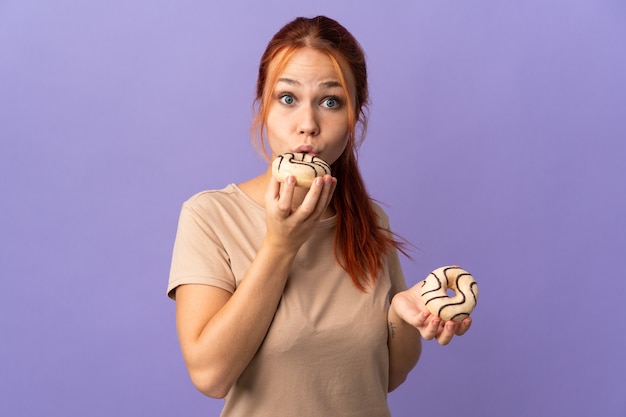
<point>360,243</point>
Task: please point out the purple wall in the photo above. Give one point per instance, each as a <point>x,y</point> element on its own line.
<point>497,142</point>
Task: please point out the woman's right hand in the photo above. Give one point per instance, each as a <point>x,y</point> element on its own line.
<point>289,225</point>
<point>220,332</point>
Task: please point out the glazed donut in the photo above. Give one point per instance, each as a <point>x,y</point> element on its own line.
<point>302,166</point>
<point>437,300</point>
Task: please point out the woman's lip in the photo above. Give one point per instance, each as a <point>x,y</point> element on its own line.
<point>306,151</point>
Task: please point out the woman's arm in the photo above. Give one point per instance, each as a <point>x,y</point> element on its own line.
<point>219,332</point>
<point>408,320</point>
<point>405,347</point>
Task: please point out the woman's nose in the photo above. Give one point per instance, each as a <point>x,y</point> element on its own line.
<point>307,123</point>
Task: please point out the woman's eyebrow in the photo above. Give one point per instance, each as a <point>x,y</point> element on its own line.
<point>324,84</point>
<point>288,81</point>
<point>330,84</point>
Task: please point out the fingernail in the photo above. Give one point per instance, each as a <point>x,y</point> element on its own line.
<point>319,180</point>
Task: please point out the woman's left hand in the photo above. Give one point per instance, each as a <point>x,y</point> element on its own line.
<point>408,305</point>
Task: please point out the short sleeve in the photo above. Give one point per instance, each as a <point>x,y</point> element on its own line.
<point>396,275</point>
<point>198,256</point>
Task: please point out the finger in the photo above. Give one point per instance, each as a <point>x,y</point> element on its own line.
<point>432,328</point>
<point>273,191</point>
<point>326,196</point>
<point>464,326</point>
<point>318,197</point>
<point>418,319</point>
<point>285,197</point>
<point>447,333</point>
<point>308,206</point>
<point>333,187</point>
<point>330,184</point>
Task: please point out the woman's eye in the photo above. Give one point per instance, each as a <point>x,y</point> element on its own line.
<point>331,102</point>
<point>287,99</point>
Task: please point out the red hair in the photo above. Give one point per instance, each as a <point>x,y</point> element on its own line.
<point>361,244</point>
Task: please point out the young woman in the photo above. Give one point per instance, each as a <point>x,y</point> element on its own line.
<point>291,301</point>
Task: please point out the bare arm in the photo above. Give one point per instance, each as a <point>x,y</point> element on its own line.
<point>219,333</point>
<point>409,320</point>
<point>405,348</point>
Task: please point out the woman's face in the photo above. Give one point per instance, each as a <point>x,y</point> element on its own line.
<point>308,109</point>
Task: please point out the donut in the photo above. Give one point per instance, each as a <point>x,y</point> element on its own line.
<point>436,298</point>
<point>302,166</point>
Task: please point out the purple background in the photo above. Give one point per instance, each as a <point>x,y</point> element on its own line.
<point>497,142</point>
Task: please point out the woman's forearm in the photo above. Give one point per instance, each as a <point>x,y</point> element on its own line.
<point>405,346</point>
<point>218,348</point>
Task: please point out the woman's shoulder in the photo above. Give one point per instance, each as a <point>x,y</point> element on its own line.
<point>383,217</point>
<point>211,194</point>
<point>230,195</point>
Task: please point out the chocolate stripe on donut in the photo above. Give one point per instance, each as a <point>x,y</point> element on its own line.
<point>441,286</point>
<point>314,161</point>
<point>474,290</point>
<point>437,300</point>
<point>434,290</point>
<point>458,291</point>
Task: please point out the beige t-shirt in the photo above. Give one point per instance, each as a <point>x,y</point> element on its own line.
<point>325,353</point>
